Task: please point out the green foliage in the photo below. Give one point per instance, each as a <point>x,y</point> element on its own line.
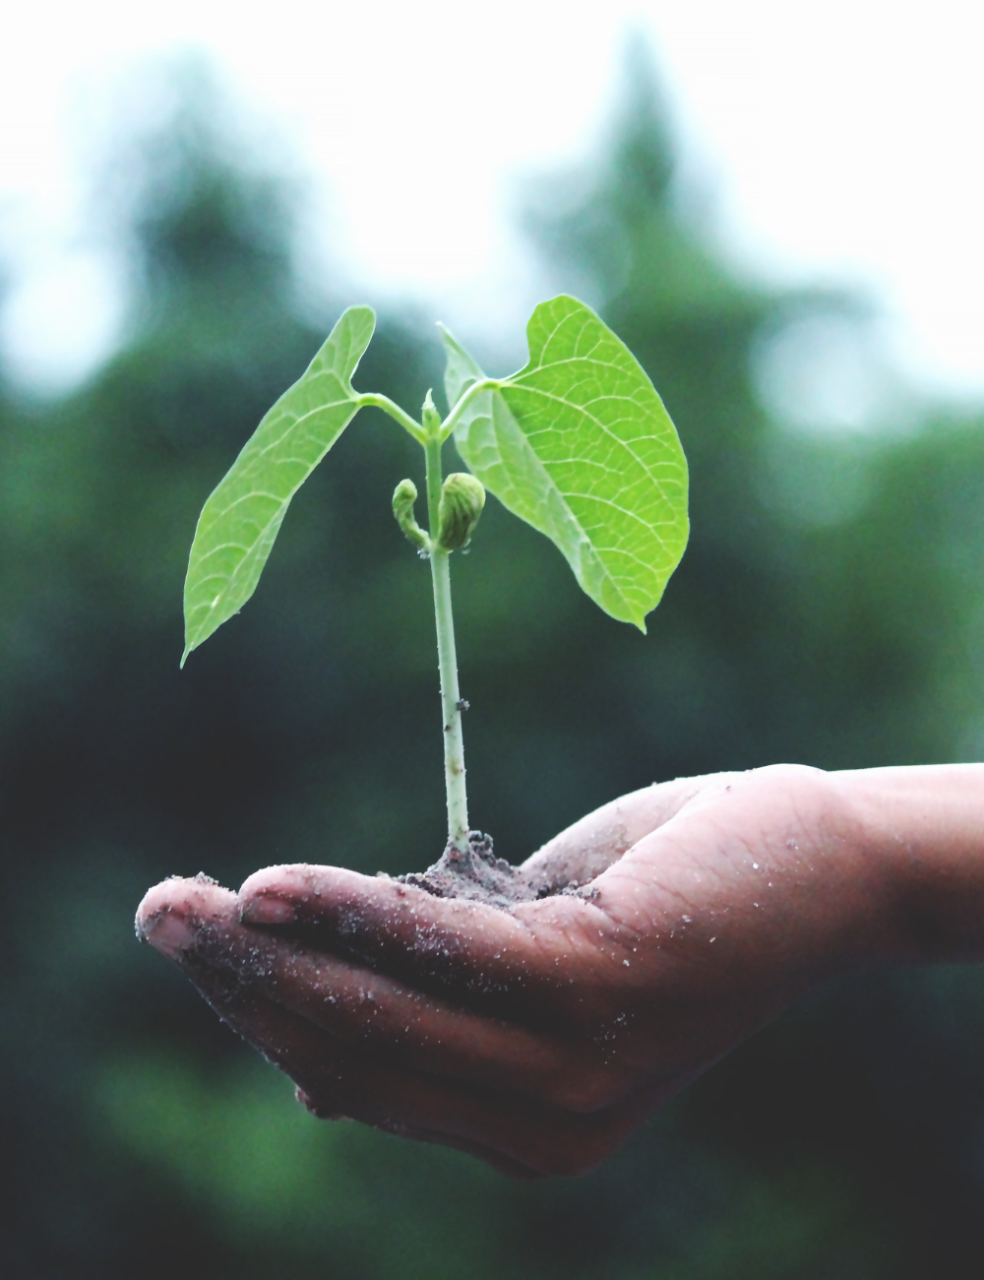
<point>240,521</point>
<point>579,445</point>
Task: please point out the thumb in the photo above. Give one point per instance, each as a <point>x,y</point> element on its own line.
<point>594,843</point>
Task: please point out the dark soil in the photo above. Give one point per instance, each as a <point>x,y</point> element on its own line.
<point>480,876</point>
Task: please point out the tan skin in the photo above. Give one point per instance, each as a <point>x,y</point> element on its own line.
<point>538,1038</point>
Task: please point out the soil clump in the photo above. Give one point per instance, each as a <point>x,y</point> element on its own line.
<point>479,876</point>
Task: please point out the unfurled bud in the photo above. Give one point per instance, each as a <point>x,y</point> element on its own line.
<point>404,496</point>
<point>430,418</point>
<point>462,500</point>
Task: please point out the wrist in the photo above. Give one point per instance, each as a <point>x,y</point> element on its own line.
<point>917,841</point>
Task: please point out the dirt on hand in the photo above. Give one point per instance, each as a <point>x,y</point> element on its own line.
<point>480,876</point>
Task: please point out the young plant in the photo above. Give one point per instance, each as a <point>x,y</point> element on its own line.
<point>577,443</point>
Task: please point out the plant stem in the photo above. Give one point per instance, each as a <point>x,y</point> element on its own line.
<point>454,745</point>
<point>369,398</point>
<point>464,400</point>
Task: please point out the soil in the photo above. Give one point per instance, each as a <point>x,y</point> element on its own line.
<point>480,876</point>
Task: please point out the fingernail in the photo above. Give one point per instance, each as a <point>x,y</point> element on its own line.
<point>170,934</point>
<point>267,910</point>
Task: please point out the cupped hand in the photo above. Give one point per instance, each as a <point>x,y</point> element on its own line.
<point>539,1037</point>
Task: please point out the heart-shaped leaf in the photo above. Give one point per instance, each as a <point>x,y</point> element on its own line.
<point>579,445</point>
<point>240,521</point>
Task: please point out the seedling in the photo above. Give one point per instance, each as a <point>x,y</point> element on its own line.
<point>577,443</point>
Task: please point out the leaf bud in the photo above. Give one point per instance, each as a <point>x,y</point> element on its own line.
<point>462,500</point>
<point>430,418</point>
<point>404,496</point>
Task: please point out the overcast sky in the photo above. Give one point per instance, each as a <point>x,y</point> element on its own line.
<point>839,142</point>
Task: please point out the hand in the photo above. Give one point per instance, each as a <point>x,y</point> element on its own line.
<point>539,1037</point>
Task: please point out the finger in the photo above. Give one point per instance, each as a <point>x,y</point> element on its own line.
<point>358,1007</point>
<point>174,913</point>
<point>591,845</point>
<point>351,1082</point>
<point>546,1140</point>
<point>516,1133</point>
<point>532,961</point>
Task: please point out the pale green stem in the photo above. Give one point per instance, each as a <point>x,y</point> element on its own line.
<point>395,412</point>
<point>463,401</point>
<point>454,744</point>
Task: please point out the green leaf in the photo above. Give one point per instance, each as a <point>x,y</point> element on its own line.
<point>240,521</point>
<point>461,370</point>
<point>579,444</point>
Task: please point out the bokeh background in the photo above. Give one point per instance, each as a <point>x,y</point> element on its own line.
<point>829,610</point>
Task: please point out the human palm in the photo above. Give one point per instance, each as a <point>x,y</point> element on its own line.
<point>685,916</point>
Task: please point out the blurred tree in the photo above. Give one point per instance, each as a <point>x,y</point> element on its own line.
<point>827,611</point>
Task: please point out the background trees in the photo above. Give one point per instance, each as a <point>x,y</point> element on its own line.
<point>828,611</point>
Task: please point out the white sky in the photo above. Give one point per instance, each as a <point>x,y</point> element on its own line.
<point>840,141</point>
